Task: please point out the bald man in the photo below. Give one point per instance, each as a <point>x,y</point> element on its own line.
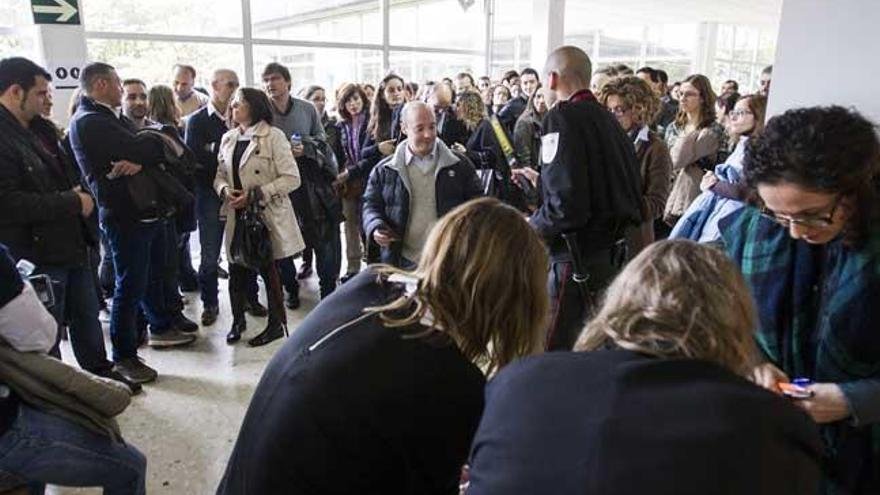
<point>592,191</point>
<point>411,189</point>
<point>450,129</point>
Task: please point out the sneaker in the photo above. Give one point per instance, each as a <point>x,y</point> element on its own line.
<point>171,338</point>
<point>293,300</point>
<point>113,374</point>
<point>184,324</point>
<point>134,370</point>
<point>254,308</point>
<point>209,315</point>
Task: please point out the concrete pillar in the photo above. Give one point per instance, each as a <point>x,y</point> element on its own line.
<point>548,29</point>
<point>825,54</point>
<point>704,51</point>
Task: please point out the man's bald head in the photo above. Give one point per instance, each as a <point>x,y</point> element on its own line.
<point>568,70</point>
<point>420,127</point>
<point>441,96</point>
<point>414,111</point>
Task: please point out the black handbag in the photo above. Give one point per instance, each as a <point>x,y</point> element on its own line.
<point>251,245</point>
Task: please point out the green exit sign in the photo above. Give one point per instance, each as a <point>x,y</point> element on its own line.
<point>55,11</point>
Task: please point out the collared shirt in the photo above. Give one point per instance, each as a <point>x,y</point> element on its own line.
<point>116,111</point>
<point>212,111</point>
<point>424,163</point>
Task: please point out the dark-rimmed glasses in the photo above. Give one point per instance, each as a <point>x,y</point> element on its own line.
<point>810,222</point>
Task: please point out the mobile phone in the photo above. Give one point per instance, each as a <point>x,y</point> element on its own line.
<point>42,285</point>
<point>795,391</point>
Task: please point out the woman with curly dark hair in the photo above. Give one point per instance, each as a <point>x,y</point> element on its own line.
<point>694,139</point>
<point>634,105</point>
<point>810,253</point>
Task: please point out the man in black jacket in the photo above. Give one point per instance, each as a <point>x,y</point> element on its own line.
<point>113,161</point>
<point>45,209</point>
<point>411,189</point>
<point>590,183</point>
<point>528,80</point>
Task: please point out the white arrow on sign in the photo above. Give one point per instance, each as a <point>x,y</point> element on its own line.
<point>64,10</point>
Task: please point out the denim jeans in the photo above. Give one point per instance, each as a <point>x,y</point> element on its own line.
<point>139,258</point>
<point>287,270</point>
<point>210,239</point>
<point>76,301</point>
<point>43,448</point>
<point>328,257</point>
<point>170,274</point>
<point>185,272</point>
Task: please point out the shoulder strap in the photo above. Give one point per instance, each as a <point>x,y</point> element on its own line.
<point>501,136</point>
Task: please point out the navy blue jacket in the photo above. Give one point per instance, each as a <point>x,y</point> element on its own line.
<point>98,137</point>
<point>360,410</point>
<point>617,422</point>
<point>386,199</point>
<point>203,134</point>
<point>511,111</point>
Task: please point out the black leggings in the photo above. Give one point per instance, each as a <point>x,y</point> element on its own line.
<point>238,291</point>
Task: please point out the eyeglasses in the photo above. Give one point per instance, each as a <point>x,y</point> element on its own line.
<point>618,110</point>
<point>810,222</point>
<point>739,113</point>
<point>688,94</point>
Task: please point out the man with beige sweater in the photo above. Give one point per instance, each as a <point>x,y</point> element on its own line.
<point>411,189</point>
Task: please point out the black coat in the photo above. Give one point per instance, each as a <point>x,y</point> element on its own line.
<point>361,410</point>
<point>370,154</point>
<point>41,217</point>
<point>618,422</point>
<point>450,129</point>
<point>386,199</point>
<point>511,111</point>
<point>590,177</point>
<point>98,137</point>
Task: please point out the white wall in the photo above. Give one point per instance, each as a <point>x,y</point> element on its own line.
<point>826,53</point>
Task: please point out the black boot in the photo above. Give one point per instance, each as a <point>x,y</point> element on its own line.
<point>273,331</point>
<point>234,335</point>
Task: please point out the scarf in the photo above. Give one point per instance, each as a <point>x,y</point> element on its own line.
<point>818,308</point>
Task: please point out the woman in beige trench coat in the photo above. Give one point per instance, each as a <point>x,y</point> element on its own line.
<point>255,163</point>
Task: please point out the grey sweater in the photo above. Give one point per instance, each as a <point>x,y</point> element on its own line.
<point>301,117</point>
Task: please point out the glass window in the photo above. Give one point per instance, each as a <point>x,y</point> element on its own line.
<point>437,24</point>
<point>152,61</point>
<point>191,17</point>
<point>621,43</point>
<point>512,39</point>
<point>421,67</point>
<point>18,35</point>
<point>348,21</point>
<point>326,67</point>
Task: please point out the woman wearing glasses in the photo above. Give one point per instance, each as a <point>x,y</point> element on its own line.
<point>634,105</point>
<point>724,190</point>
<point>694,139</point>
<point>811,257</point>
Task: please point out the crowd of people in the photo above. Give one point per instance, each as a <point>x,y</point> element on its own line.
<point>486,224</point>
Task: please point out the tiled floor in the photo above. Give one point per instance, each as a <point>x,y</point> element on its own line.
<point>187,421</point>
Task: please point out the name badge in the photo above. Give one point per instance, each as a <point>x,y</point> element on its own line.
<point>549,146</point>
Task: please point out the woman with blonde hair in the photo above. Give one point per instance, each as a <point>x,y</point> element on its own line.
<point>656,401</point>
<point>381,387</point>
<point>635,105</point>
<point>161,107</point>
<point>694,139</point>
